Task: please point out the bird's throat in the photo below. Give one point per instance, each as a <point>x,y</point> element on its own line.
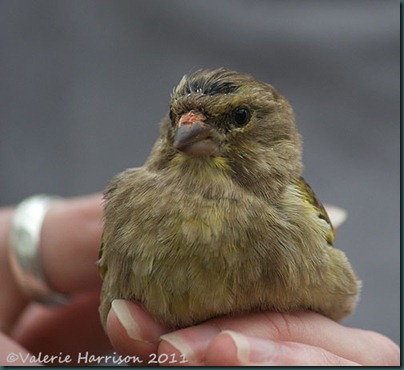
<point>203,169</point>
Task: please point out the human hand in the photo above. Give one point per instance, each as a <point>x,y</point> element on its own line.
<point>70,241</point>
<point>267,338</point>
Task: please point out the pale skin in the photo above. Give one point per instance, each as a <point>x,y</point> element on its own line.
<point>69,251</point>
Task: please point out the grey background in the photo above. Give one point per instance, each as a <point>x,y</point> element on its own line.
<point>85,83</point>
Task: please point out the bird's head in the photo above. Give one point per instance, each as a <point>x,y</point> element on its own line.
<point>232,117</point>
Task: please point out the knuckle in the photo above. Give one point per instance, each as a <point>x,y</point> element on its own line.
<point>284,326</point>
<point>328,359</point>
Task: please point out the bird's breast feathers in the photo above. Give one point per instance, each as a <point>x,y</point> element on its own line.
<point>205,216</point>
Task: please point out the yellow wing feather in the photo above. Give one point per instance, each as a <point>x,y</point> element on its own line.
<point>311,198</point>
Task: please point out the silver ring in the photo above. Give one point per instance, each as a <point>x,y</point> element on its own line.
<point>23,250</point>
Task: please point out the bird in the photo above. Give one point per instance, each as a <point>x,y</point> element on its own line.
<point>219,220</point>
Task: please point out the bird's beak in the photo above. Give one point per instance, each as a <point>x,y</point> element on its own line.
<point>194,137</point>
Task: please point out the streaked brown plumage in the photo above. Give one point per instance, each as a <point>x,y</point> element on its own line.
<point>219,219</point>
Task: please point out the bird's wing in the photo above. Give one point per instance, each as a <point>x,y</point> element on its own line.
<point>112,186</point>
<point>310,197</point>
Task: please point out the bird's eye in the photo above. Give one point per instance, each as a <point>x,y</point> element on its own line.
<point>241,116</point>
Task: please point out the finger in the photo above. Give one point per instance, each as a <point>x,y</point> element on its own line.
<point>305,327</point>
<point>13,354</point>
<point>12,300</point>
<point>188,345</point>
<point>73,329</point>
<point>133,332</point>
<point>234,349</point>
<point>70,242</point>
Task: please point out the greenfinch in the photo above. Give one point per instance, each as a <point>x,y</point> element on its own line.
<point>219,219</point>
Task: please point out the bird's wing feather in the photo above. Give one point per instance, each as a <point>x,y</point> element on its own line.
<point>310,197</point>
<point>112,186</point>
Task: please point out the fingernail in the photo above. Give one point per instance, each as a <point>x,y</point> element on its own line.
<point>337,215</point>
<point>137,322</point>
<point>120,307</point>
<point>192,342</point>
<point>251,350</point>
